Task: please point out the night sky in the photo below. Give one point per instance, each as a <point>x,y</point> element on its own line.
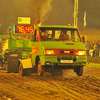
<point>53,12</point>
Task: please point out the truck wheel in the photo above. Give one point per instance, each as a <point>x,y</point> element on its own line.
<point>21,70</point>
<point>40,69</point>
<point>79,70</point>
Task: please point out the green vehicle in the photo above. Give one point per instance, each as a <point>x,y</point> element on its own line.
<point>15,50</point>
<point>46,48</point>
<point>61,49</point>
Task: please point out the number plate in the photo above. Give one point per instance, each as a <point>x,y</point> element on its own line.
<point>66,61</point>
<point>66,51</point>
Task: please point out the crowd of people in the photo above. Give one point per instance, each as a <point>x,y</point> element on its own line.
<point>93,48</point>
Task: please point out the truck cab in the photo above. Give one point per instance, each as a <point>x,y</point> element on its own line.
<point>61,48</point>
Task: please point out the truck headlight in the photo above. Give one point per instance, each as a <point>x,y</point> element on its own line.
<point>82,53</point>
<point>49,52</point>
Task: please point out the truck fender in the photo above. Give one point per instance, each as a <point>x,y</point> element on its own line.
<point>26,63</point>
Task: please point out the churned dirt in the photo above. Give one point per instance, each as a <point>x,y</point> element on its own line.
<point>47,87</point>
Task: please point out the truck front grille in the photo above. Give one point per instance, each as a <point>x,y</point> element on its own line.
<point>66,52</point>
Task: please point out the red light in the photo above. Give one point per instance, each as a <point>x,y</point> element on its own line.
<point>76,52</point>
<point>56,52</point>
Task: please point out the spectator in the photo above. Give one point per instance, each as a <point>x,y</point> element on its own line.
<point>99,48</point>
<point>87,45</point>
<point>91,49</point>
<point>99,45</point>
<point>94,48</point>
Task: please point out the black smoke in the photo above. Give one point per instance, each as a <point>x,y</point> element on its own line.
<point>41,8</point>
<point>54,12</point>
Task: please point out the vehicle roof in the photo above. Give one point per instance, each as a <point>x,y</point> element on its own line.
<point>55,26</point>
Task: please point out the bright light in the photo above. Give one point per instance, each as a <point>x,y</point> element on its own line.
<point>81,53</point>
<point>48,52</point>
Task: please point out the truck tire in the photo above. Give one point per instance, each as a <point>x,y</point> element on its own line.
<point>21,70</point>
<point>79,70</point>
<point>40,68</point>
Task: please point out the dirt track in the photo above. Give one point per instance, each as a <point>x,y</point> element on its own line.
<point>47,87</point>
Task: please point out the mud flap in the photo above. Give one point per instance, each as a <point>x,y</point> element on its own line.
<point>26,67</point>
<point>27,64</point>
<point>13,58</point>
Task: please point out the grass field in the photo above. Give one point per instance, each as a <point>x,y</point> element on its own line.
<point>93,60</point>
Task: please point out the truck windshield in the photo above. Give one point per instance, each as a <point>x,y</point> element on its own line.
<point>59,34</point>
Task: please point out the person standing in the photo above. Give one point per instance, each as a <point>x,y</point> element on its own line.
<point>87,46</point>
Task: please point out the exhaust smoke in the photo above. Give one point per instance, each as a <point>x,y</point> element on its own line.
<point>41,8</point>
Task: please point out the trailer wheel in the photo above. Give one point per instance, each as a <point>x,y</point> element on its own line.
<point>21,70</point>
<point>40,68</point>
<point>79,70</point>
